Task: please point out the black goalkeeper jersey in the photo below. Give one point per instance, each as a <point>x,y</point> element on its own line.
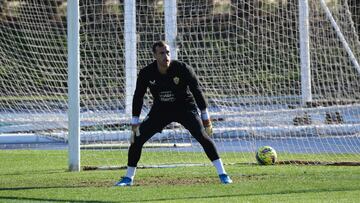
<point>178,88</point>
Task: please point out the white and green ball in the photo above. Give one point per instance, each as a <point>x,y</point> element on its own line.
<point>266,155</point>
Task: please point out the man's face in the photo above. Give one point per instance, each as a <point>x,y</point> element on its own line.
<point>162,56</point>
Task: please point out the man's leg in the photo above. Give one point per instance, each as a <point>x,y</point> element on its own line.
<point>152,124</point>
<point>192,122</point>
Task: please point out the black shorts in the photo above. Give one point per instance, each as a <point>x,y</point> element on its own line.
<point>159,118</point>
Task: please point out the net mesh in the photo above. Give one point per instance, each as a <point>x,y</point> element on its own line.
<point>245,53</point>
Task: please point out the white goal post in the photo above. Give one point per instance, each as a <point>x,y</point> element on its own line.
<point>73,37</point>
<point>304,52</point>
<point>279,73</point>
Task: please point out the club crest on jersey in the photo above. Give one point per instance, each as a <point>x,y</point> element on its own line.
<point>176,80</point>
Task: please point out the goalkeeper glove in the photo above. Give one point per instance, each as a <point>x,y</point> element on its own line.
<point>135,124</point>
<point>206,122</point>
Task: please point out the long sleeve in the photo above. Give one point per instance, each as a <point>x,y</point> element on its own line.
<point>140,90</point>
<point>195,89</point>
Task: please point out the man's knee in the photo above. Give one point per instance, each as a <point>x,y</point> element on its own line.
<point>202,138</point>
<point>144,135</point>
<point>138,142</point>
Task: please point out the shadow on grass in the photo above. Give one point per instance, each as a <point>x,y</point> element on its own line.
<point>28,199</point>
<point>25,199</point>
<point>193,199</point>
<point>32,172</point>
<point>36,188</point>
<point>190,198</point>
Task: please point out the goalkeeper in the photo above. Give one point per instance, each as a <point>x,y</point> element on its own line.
<point>176,94</point>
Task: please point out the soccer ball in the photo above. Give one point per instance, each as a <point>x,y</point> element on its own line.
<point>266,155</point>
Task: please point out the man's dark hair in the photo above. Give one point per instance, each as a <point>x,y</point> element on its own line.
<point>158,44</point>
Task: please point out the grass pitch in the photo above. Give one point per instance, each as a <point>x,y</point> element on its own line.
<point>42,176</point>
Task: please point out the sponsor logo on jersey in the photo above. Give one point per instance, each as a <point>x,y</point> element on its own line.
<point>167,96</point>
<point>176,80</point>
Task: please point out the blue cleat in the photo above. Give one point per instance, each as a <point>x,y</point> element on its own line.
<point>225,179</point>
<point>125,181</point>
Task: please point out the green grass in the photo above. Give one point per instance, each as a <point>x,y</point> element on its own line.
<point>42,176</point>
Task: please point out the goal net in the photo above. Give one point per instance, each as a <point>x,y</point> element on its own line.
<point>246,54</point>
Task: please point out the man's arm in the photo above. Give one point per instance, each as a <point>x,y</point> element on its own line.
<point>195,89</point>
<point>200,100</point>
<point>138,99</point>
